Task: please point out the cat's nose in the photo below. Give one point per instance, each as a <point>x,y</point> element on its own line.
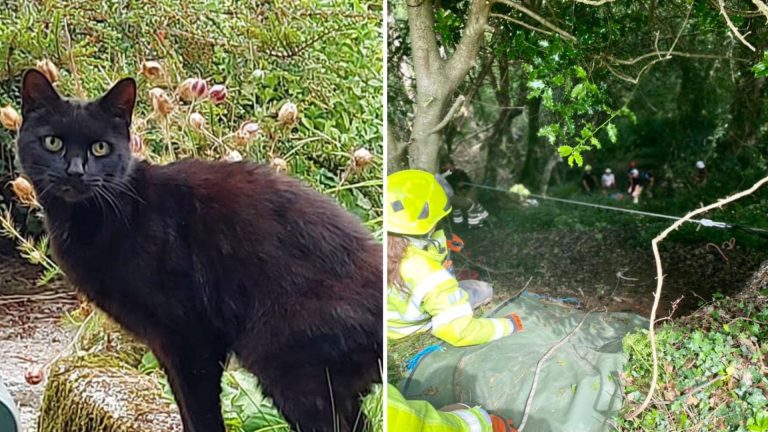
<point>75,167</point>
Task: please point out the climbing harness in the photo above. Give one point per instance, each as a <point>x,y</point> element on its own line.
<point>703,222</point>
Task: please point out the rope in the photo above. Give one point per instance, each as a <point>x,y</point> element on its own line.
<point>702,222</point>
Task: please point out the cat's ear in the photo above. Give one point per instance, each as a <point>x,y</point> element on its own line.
<point>36,92</point>
<point>120,99</point>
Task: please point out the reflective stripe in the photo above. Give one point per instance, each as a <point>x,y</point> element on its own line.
<point>428,284</point>
<point>499,327</point>
<point>411,314</point>
<point>470,419</point>
<point>407,330</point>
<point>455,297</point>
<point>451,314</point>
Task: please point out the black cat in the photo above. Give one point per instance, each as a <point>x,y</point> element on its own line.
<point>202,259</point>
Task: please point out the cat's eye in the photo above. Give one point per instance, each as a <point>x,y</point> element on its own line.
<point>100,148</point>
<point>53,144</point>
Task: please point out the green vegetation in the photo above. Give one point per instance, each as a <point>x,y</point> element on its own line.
<point>303,94</point>
<point>712,371</point>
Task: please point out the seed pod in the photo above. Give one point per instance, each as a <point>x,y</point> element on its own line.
<point>162,104</point>
<point>9,118</point>
<point>24,191</point>
<point>197,121</point>
<point>48,69</point>
<point>288,114</point>
<point>218,93</point>
<point>34,376</point>
<point>233,156</point>
<point>279,164</point>
<point>192,89</point>
<point>137,146</point>
<point>152,70</point>
<point>361,159</point>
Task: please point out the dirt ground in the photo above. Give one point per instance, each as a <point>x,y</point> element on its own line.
<point>31,330</point>
<point>599,268</point>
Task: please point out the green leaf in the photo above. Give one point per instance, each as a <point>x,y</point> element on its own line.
<point>612,132</point>
<point>565,150</point>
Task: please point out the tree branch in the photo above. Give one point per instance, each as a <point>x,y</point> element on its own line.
<point>537,17</point>
<point>448,117</point>
<point>660,283</point>
<point>733,28</point>
<point>675,54</point>
<point>595,2</point>
<point>462,60</point>
<point>421,23</point>
<point>762,7</point>
<point>522,24</point>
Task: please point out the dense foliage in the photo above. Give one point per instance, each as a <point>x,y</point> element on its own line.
<point>302,92</point>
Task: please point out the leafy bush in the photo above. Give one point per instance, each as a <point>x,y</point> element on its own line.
<point>325,57</point>
<point>712,374</point>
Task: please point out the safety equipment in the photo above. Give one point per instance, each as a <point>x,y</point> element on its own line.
<point>476,215</point>
<point>607,170</point>
<point>416,201</point>
<point>634,173</point>
<point>588,168</point>
<point>700,165</point>
<point>431,299</point>
<point>419,416</point>
<point>455,243</point>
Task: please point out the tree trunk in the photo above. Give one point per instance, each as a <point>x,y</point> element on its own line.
<point>437,79</point>
<point>528,175</point>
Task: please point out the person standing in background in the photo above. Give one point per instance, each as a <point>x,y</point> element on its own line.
<point>588,180</point>
<point>608,180</point>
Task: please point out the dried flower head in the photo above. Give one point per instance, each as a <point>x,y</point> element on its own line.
<point>192,89</point>
<point>279,164</point>
<point>139,125</point>
<point>48,69</point>
<point>247,132</point>
<point>196,120</point>
<point>9,118</point>
<point>161,102</point>
<point>24,191</point>
<point>361,159</point>
<point>218,93</point>
<point>137,146</point>
<point>233,156</point>
<point>152,70</point>
<point>34,376</point>
<point>288,114</point>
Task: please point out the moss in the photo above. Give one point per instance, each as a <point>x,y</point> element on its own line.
<point>101,390</point>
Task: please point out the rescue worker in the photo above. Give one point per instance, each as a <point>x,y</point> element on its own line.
<point>464,197</point>
<point>423,295</point>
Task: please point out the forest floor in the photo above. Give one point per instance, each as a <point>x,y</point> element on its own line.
<point>32,331</point>
<point>603,266</point>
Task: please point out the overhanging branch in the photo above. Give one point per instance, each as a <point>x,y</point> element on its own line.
<point>448,117</point>
<point>733,28</point>
<point>520,23</point>
<point>537,17</point>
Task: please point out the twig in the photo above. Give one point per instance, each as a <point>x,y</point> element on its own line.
<point>522,24</point>
<point>660,283</point>
<point>594,2</point>
<point>733,28</point>
<point>538,18</point>
<point>451,114</point>
<point>71,60</point>
<point>541,362</point>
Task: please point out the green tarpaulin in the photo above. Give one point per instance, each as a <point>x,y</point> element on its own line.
<point>578,389</point>
<point>9,418</point>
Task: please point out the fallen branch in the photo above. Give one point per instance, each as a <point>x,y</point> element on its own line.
<point>536,374</point>
<point>733,28</point>
<point>448,117</point>
<point>660,283</point>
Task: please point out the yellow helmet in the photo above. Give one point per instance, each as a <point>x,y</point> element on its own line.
<point>416,201</point>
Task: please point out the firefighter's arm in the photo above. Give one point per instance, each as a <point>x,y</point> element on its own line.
<point>452,319</point>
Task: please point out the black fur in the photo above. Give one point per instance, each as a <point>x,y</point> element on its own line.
<point>202,259</point>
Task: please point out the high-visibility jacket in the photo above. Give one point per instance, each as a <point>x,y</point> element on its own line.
<point>420,416</point>
<point>430,299</point>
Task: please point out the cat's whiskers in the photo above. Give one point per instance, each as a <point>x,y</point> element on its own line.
<point>112,200</point>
